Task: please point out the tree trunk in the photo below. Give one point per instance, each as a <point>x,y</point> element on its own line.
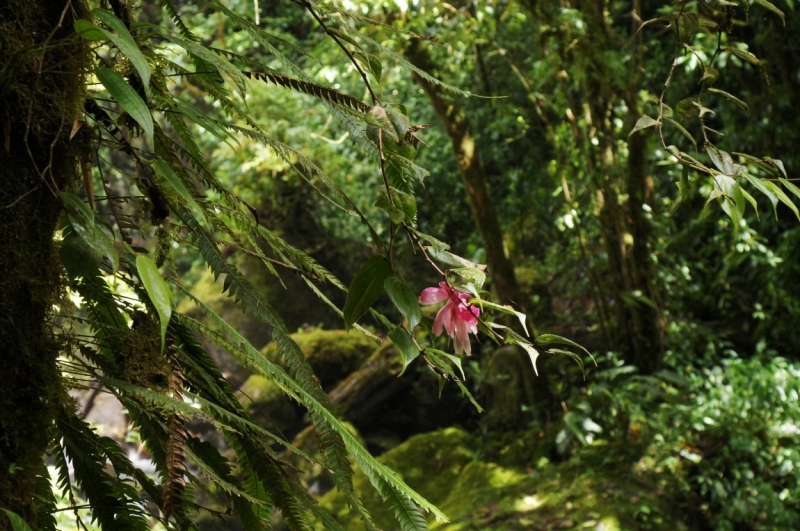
<point>466,151</point>
<point>40,96</point>
<point>465,148</point>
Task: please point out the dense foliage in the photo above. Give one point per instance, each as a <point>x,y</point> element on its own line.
<point>228,183</point>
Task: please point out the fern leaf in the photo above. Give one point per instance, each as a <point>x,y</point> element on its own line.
<point>362,456</point>
<point>312,89</point>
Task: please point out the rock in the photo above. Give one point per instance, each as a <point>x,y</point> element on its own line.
<point>333,354</point>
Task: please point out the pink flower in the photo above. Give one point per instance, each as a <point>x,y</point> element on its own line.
<point>458,317</point>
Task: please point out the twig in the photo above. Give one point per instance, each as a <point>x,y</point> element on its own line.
<point>20,198</point>
<point>375,100</point>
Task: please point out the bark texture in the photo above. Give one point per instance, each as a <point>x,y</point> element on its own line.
<point>39,100</point>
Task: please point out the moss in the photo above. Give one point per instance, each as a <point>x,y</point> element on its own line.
<point>333,354</point>
<point>444,467</point>
<point>38,96</point>
<point>141,360</point>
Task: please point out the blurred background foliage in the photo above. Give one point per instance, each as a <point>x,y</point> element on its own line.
<point>690,418</point>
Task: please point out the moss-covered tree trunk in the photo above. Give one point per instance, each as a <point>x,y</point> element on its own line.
<point>40,94</point>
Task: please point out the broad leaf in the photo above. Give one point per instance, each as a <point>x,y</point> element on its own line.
<point>17,523</point>
<point>89,31</point>
<point>643,123</point>
<point>731,97</point>
<point>157,290</point>
<point>365,289</point>
<point>405,300</point>
<point>404,343</point>
<point>124,41</point>
<point>127,98</point>
<point>504,309</point>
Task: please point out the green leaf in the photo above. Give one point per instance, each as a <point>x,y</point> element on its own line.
<point>791,187</point>
<point>96,237</point>
<point>504,309</point>
<point>404,343</point>
<point>89,31</point>
<point>733,199</point>
<point>405,300</point>
<point>743,54</point>
<point>17,523</point>
<point>157,290</point>
<point>124,41</point>
<point>127,98</point>
<point>782,197</point>
<point>77,204</point>
<point>643,123</point>
<point>683,130</point>
<point>752,200</point>
<point>371,63</point>
<point>683,188</point>
<point>722,160</point>
<point>457,362</point>
<point>569,354</point>
<point>168,174</point>
<point>552,338</point>
<point>778,164</point>
<point>365,289</point>
<point>405,202</point>
<point>731,97</point>
<point>395,214</point>
<point>772,8</point>
<point>471,275</point>
<point>79,258</point>
<point>762,187</point>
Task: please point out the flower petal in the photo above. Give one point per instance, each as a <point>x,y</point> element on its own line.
<point>462,336</point>
<point>437,323</point>
<point>468,315</point>
<point>432,296</point>
<point>450,318</point>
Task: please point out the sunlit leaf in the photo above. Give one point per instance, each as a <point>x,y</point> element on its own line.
<point>124,41</point>
<point>157,290</point>
<point>127,98</point>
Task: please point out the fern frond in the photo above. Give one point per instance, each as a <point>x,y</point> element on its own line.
<point>114,503</point>
<point>316,409</point>
<point>312,89</point>
<point>178,21</point>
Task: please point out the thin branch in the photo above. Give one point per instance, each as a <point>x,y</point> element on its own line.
<point>375,100</point>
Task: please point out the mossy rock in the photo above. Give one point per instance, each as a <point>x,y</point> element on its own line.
<point>444,468</point>
<point>269,407</point>
<point>333,354</point>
